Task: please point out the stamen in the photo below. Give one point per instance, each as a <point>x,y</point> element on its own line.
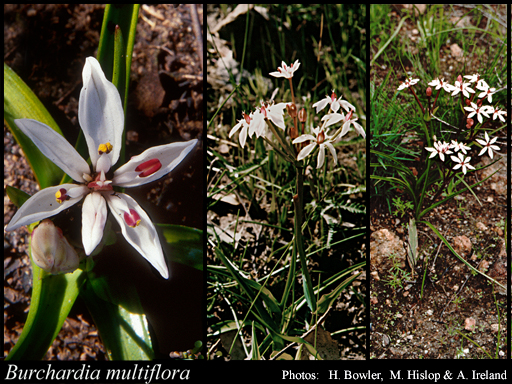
<point>61,196</point>
<point>320,138</point>
<point>149,167</point>
<point>132,218</point>
<point>104,148</point>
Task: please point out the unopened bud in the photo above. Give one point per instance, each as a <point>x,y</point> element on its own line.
<point>51,251</point>
<point>459,78</point>
<point>303,115</point>
<point>429,92</point>
<point>468,103</point>
<point>292,110</point>
<point>469,123</point>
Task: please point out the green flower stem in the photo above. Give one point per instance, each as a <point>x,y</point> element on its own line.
<point>298,202</point>
<point>419,103</point>
<point>288,151</point>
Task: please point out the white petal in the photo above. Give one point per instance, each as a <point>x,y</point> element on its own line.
<point>55,147</point>
<point>275,113</point>
<point>319,105</point>
<point>332,118</point>
<point>143,237</point>
<point>94,216</point>
<point>333,152</point>
<point>306,151</point>
<point>321,156</point>
<point>169,155</point>
<point>303,138</point>
<point>44,204</point>
<point>359,129</point>
<point>100,112</point>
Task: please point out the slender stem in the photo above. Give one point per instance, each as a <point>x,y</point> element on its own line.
<point>418,100</point>
<point>290,152</point>
<point>298,203</point>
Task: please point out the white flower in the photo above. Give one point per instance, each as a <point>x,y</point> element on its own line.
<point>479,111</point>
<point>407,83</point>
<point>473,78</point>
<point>459,146</point>
<point>244,124</point>
<point>487,91</point>
<point>258,118</point>
<point>500,113</point>
<point>462,162</point>
<point>322,140</point>
<point>285,71</point>
<point>460,86</point>
<point>441,84</point>
<point>488,145</point>
<point>334,102</point>
<point>101,117</point>
<point>334,118</point>
<point>441,148</point>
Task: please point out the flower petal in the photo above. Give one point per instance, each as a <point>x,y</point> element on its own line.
<point>321,157</point>
<point>100,112</point>
<point>143,236</point>
<point>306,151</point>
<point>169,155</point>
<point>44,204</point>
<point>94,216</point>
<point>303,138</point>
<point>333,152</point>
<point>55,147</point>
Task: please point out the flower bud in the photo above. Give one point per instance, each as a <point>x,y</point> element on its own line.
<point>469,123</point>
<point>459,78</point>
<point>51,251</point>
<point>429,92</point>
<point>292,110</point>
<point>468,102</point>
<point>303,115</point>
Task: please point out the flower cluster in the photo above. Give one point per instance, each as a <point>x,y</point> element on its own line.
<point>472,108</point>
<point>257,121</point>
<point>101,117</point>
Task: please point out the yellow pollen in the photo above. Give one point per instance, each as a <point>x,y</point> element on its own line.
<point>104,148</point>
<point>61,195</point>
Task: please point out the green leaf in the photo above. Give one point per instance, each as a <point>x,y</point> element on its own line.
<point>17,196</point>
<point>124,16</point>
<point>328,299</point>
<point>21,103</point>
<point>124,333</point>
<point>52,298</point>
<point>183,245</point>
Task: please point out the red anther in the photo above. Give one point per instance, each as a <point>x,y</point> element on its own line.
<point>333,96</point>
<point>148,167</point>
<point>61,195</point>
<point>247,118</point>
<point>132,218</point>
<point>320,138</point>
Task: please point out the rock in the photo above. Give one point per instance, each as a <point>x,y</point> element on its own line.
<point>456,51</point>
<point>469,324</point>
<point>481,226</point>
<point>385,244</point>
<point>462,245</point>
